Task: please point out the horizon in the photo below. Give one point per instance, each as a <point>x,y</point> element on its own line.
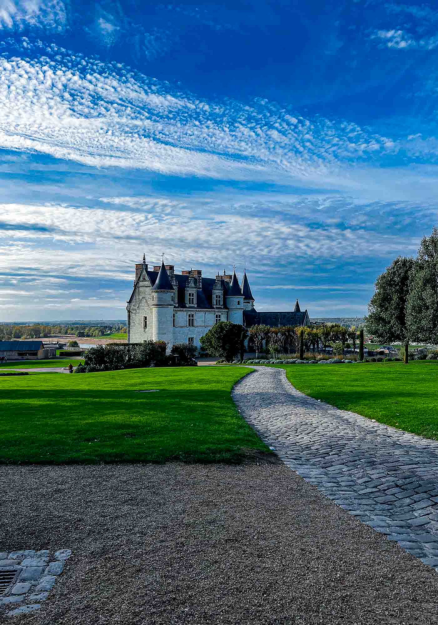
<point>298,141</point>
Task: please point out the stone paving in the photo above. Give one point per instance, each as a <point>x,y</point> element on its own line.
<point>385,477</point>
<point>36,574</point>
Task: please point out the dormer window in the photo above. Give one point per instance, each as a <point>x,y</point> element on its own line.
<point>218,300</point>
<point>191,299</point>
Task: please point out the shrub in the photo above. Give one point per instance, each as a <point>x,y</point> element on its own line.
<point>225,340</point>
<point>73,344</point>
<point>183,353</point>
<point>380,359</point>
<point>432,357</point>
<point>70,353</point>
<point>421,357</point>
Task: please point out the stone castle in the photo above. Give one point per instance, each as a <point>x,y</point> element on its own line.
<point>180,308</point>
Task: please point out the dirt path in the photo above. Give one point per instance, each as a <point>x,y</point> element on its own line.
<point>212,544</point>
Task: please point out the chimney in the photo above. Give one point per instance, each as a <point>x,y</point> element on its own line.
<point>157,267</point>
<point>170,270</point>
<point>197,274</point>
<point>227,278</point>
<point>138,268</point>
<point>185,273</point>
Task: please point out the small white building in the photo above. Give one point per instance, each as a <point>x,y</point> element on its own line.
<point>181,308</point>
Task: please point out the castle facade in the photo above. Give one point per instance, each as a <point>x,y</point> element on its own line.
<point>181,308</point>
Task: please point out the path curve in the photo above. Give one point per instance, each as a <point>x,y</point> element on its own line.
<point>385,477</point>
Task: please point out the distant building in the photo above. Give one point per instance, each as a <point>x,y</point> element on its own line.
<point>181,308</point>
<point>25,350</point>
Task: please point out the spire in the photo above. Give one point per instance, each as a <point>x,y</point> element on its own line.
<point>297,307</point>
<point>234,286</point>
<point>163,282</point>
<point>144,259</point>
<point>246,289</point>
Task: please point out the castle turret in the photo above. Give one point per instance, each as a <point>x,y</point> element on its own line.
<point>248,300</point>
<point>163,294</point>
<point>234,301</point>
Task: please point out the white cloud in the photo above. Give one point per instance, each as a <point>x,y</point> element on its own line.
<point>401,40</point>
<point>103,114</point>
<point>48,15</point>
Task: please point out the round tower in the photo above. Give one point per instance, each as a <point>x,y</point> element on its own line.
<point>163,302</point>
<point>234,301</point>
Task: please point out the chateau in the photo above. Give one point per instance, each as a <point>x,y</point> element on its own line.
<point>180,308</point>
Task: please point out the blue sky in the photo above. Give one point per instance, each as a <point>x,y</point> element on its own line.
<point>298,139</point>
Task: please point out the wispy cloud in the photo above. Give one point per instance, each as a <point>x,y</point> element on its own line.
<point>91,112</point>
<point>401,40</point>
<point>44,15</point>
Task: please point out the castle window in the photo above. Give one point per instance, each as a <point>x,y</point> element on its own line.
<point>191,320</point>
<point>174,320</point>
<point>238,302</point>
<point>191,299</point>
<point>218,300</point>
<point>145,323</point>
<point>218,318</point>
<point>191,340</point>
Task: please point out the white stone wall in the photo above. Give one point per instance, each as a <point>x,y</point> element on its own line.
<point>140,307</point>
<point>204,320</point>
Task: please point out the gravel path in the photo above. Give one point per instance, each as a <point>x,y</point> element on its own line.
<point>385,477</point>
<point>198,544</point>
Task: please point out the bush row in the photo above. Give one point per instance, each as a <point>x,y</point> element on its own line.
<point>147,354</point>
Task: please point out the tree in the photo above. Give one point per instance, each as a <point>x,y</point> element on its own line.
<point>352,335</point>
<point>387,318</point>
<point>422,306</point>
<point>225,340</point>
<point>300,333</point>
<point>258,335</point>
<point>361,343</point>
<point>73,344</point>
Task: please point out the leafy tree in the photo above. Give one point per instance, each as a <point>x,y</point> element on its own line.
<point>387,318</point>
<point>259,334</point>
<point>422,306</point>
<point>225,340</point>
<point>73,344</point>
<point>301,333</point>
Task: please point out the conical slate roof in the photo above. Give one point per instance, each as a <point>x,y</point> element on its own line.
<point>246,289</point>
<point>297,307</point>
<point>163,282</point>
<point>234,286</point>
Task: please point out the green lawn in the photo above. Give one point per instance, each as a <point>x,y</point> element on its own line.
<point>118,336</point>
<point>34,364</point>
<point>98,417</point>
<point>404,396</point>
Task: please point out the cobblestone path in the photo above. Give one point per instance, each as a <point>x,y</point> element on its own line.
<point>385,477</point>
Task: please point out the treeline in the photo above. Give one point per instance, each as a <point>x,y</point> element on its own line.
<point>293,339</point>
<point>10,332</point>
<point>404,307</point>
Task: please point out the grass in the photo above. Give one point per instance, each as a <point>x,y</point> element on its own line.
<point>40,364</point>
<point>404,396</point>
<point>98,417</point>
<point>377,346</point>
<point>118,336</point>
